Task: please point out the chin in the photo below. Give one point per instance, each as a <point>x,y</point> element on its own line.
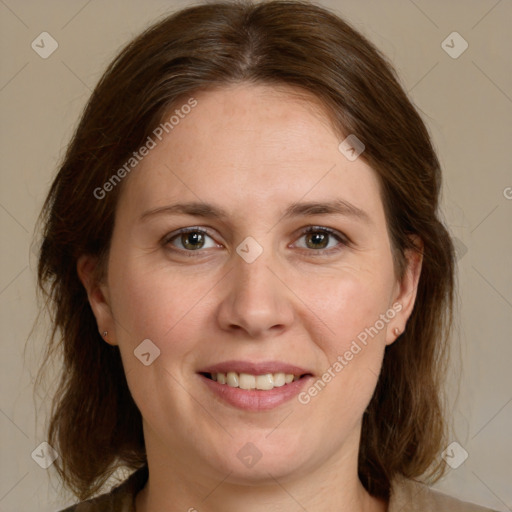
<point>261,461</point>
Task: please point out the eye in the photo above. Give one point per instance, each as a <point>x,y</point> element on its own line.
<point>319,238</point>
<point>190,239</point>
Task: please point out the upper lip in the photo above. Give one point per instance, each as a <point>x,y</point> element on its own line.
<point>253,368</point>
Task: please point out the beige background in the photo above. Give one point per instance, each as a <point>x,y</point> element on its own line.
<point>467,103</point>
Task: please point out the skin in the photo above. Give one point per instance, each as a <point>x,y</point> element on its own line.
<point>251,150</point>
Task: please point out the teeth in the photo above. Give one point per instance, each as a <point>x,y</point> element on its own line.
<point>265,382</point>
<point>232,379</point>
<point>248,381</point>
<point>279,380</point>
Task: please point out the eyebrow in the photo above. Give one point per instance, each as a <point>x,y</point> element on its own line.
<point>304,209</point>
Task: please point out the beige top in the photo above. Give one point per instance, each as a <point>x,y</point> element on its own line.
<point>406,496</point>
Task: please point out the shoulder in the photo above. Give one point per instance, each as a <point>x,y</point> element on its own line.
<point>411,496</point>
<point>119,499</point>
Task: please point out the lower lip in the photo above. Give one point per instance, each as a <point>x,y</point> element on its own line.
<point>256,400</point>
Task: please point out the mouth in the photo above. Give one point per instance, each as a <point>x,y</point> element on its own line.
<point>254,386</point>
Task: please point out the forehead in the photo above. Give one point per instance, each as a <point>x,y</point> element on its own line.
<point>252,144</point>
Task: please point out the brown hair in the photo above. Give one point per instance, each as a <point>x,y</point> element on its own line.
<point>95,424</point>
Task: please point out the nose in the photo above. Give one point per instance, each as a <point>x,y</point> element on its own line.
<point>256,300</point>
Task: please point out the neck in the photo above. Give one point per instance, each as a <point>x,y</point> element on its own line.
<point>179,486</point>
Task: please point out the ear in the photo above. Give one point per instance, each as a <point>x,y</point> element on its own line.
<point>98,296</point>
<point>405,290</point>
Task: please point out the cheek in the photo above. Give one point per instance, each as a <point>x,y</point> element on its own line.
<point>153,304</point>
<point>353,307</point>
<point>355,311</point>
<point>146,297</point>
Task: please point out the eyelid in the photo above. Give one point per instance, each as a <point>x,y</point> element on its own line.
<point>188,229</point>
<point>331,231</point>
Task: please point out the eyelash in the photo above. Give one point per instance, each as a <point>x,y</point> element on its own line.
<point>342,239</point>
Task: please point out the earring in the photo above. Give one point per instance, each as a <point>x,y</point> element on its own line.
<point>105,334</point>
<point>396,330</point>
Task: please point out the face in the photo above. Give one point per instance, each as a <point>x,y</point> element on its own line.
<point>261,283</point>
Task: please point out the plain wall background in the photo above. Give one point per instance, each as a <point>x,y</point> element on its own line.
<point>467,104</point>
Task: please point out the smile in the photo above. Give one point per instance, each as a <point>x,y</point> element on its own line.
<point>254,386</point>
<point>248,381</point>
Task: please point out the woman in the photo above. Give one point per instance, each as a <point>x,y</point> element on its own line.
<point>249,280</point>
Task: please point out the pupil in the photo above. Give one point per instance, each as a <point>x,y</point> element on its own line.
<point>318,238</point>
<point>196,237</point>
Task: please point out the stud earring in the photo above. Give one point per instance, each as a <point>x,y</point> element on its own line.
<point>105,334</point>
<point>397,331</point>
